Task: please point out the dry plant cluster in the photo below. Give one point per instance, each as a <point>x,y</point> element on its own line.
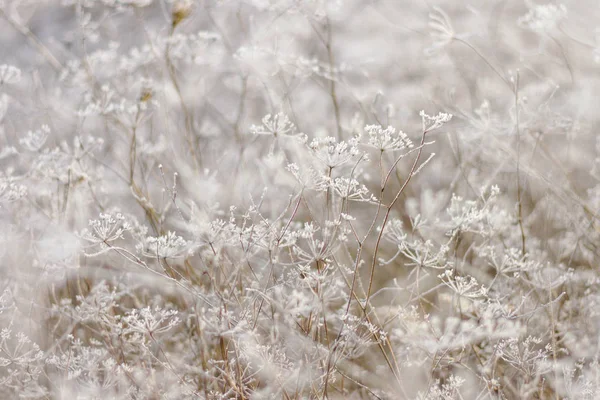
<point>299,199</point>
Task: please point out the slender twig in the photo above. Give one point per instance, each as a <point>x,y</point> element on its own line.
<point>33,39</point>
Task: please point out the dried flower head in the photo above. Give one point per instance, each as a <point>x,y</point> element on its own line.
<point>387,139</point>
<point>181,10</point>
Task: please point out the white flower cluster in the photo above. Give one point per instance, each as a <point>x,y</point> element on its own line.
<point>169,231</point>
<point>463,286</point>
<point>333,153</point>
<point>150,321</point>
<point>274,125</point>
<point>352,190</point>
<point>34,140</point>
<point>166,246</point>
<point>309,178</point>
<point>387,139</point>
<point>105,230</point>
<point>434,122</point>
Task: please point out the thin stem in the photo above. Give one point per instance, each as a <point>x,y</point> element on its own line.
<point>387,215</point>
<point>33,39</point>
<point>519,203</point>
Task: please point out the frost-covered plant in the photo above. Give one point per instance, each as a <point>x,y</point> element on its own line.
<point>258,199</point>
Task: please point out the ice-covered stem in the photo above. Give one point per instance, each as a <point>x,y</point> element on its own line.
<point>429,124</point>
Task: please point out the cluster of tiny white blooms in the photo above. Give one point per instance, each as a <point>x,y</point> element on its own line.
<point>449,389</point>
<point>351,189</point>
<point>358,337</point>
<point>309,178</point>
<point>22,360</point>
<point>166,246</point>
<point>434,122</point>
<point>543,18</point>
<point>387,139</point>
<point>463,286</point>
<point>242,199</point>
<point>34,140</point>
<point>316,248</point>
<point>274,125</point>
<point>9,74</point>
<point>150,321</point>
<point>525,354</point>
<point>109,103</point>
<point>333,153</point>
<point>509,263</point>
<point>473,215</point>
<point>394,232</point>
<point>105,230</point>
